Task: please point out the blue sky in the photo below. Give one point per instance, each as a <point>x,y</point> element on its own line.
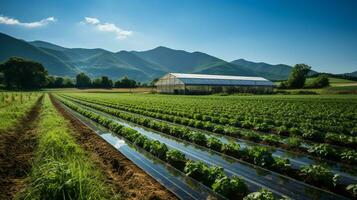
<point>321,33</point>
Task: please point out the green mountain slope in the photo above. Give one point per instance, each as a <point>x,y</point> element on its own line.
<point>273,72</point>
<point>140,65</point>
<point>14,47</point>
<point>354,74</point>
<point>171,60</point>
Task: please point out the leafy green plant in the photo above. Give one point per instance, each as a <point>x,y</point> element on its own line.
<point>231,148</point>
<point>318,174</point>
<point>349,156</point>
<point>158,149</point>
<point>176,159</point>
<point>281,164</point>
<point>324,150</point>
<point>262,194</point>
<point>261,156</point>
<point>198,138</point>
<point>293,142</point>
<point>233,188</point>
<point>214,143</point>
<point>352,189</point>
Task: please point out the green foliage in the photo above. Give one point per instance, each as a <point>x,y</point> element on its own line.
<point>61,169</point>
<point>176,159</point>
<point>198,138</point>
<point>102,82</point>
<point>323,150</point>
<point>352,189</point>
<point>83,81</point>
<point>297,77</point>
<point>231,148</point>
<point>214,143</point>
<point>319,175</point>
<point>23,74</point>
<point>293,142</point>
<point>234,188</point>
<point>59,82</point>
<point>281,164</point>
<point>262,194</point>
<point>261,156</point>
<point>349,156</point>
<point>319,82</point>
<point>125,83</point>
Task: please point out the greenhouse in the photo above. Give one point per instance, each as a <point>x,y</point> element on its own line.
<point>177,83</point>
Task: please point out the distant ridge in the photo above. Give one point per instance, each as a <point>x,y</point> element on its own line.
<point>142,66</point>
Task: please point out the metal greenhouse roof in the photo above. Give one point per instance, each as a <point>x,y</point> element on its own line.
<point>206,79</point>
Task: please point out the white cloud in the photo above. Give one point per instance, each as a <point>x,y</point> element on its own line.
<point>36,24</point>
<point>107,27</point>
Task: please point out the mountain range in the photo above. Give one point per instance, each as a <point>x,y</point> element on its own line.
<point>140,65</point>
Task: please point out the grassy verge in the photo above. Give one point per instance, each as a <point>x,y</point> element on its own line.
<point>16,109</point>
<point>61,169</point>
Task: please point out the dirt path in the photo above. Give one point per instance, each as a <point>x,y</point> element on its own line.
<point>17,147</point>
<point>121,174</point>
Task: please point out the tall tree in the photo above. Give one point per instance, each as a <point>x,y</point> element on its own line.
<point>125,83</point>
<point>23,74</point>
<point>106,82</point>
<point>83,81</point>
<point>297,76</point>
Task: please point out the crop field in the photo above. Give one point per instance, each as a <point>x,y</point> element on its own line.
<point>87,145</point>
<point>238,146</point>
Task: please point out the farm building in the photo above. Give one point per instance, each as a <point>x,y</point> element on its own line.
<point>177,83</point>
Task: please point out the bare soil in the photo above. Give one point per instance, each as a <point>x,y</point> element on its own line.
<point>17,147</point>
<point>124,177</point>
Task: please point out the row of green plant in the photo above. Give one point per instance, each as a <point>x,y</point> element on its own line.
<point>7,98</point>
<point>264,125</point>
<point>321,114</point>
<point>319,150</point>
<point>61,169</point>
<point>256,155</point>
<point>213,177</point>
<point>11,114</point>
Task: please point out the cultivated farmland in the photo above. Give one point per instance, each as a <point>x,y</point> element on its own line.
<point>299,147</point>
<point>85,145</point>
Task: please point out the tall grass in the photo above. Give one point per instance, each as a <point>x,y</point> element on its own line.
<point>16,109</point>
<point>61,169</point>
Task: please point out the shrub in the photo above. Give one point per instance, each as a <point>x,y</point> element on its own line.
<point>319,82</point>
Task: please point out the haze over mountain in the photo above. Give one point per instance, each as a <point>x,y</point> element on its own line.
<point>140,65</point>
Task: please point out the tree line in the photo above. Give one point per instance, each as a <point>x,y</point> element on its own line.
<point>18,73</point>
<point>297,79</point>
